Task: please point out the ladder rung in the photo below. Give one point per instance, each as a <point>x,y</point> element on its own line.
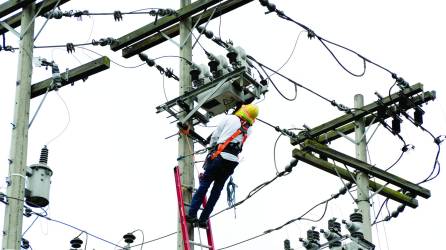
<point>199,244</point>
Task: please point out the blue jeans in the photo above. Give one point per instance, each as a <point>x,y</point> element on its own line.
<point>217,171</point>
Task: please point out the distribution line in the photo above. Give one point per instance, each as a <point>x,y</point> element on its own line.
<point>334,196</point>
<point>312,34</point>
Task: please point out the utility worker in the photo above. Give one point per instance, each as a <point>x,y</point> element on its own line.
<point>226,142</point>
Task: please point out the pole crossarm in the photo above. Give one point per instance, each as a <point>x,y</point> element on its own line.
<point>44,6</point>
<point>162,23</point>
<point>321,164</point>
<point>72,75</point>
<point>366,168</point>
<point>347,118</point>
<point>12,5</point>
<point>370,120</point>
<point>157,38</point>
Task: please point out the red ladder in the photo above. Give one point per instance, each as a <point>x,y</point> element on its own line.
<point>183,223</point>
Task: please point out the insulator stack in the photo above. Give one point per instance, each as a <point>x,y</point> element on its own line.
<point>313,236</point>
<point>334,226</point>
<point>44,155</point>
<point>76,243</point>
<point>129,238</point>
<point>356,217</point>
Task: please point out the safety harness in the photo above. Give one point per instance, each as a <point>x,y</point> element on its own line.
<point>242,130</point>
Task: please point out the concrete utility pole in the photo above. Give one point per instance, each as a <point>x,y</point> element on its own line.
<point>185,143</point>
<point>362,179</point>
<point>12,229</point>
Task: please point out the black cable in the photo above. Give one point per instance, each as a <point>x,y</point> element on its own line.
<point>285,224</point>
<point>312,34</point>
<point>290,80</point>
<point>337,60</point>
<point>291,54</point>
<point>78,229</point>
<point>334,196</point>
<point>274,85</point>
<point>143,241</point>
<point>160,57</point>
<point>436,163</point>
<point>255,190</point>
<point>379,211</point>
<point>396,162</point>
<point>156,239</point>
<point>274,153</point>
<point>437,140</point>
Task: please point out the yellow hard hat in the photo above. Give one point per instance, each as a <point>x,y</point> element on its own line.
<point>248,112</point>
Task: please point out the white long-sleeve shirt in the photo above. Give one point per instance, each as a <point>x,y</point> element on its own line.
<point>224,130</point>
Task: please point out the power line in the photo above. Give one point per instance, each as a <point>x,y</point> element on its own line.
<point>117,15</point>
<point>342,191</point>
<point>312,34</point>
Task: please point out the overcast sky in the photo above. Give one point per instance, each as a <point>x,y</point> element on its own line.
<point>113,167</point>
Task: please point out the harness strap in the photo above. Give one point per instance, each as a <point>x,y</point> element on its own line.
<point>222,146</point>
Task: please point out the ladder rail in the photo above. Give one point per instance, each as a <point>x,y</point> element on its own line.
<point>182,214</point>
<point>182,211</point>
<point>209,230</point>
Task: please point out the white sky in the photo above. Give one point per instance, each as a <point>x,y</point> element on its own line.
<point>113,166</point>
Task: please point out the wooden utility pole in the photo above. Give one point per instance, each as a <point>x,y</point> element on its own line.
<point>12,229</point>
<point>185,143</point>
<point>362,179</point>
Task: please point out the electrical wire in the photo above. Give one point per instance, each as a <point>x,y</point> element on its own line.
<point>68,121</point>
<point>291,54</point>
<point>274,153</point>
<point>153,240</point>
<point>437,140</point>
<point>312,34</point>
<point>142,232</point>
<point>168,56</point>
<point>289,79</point>
<point>258,188</point>
<point>80,230</point>
<point>300,218</point>
<point>120,65</point>
<point>274,85</point>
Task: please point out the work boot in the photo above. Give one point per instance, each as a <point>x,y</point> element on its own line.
<point>191,220</point>
<point>202,224</point>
